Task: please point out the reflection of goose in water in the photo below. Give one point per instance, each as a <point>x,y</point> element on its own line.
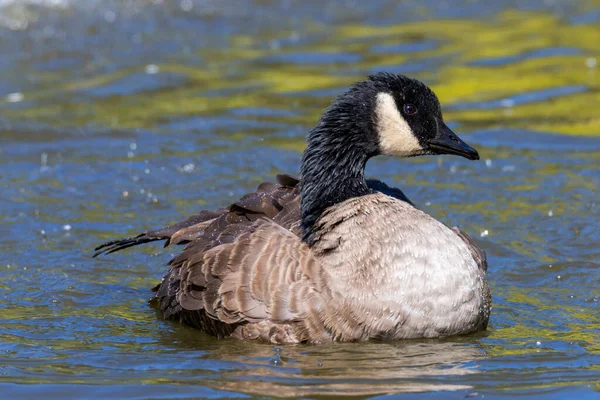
<point>342,369</point>
<point>333,257</point>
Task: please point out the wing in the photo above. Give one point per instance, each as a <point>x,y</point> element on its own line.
<point>160,234</point>
<point>242,266</point>
<point>248,273</point>
<point>279,201</point>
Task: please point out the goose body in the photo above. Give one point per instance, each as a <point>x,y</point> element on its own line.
<point>333,256</point>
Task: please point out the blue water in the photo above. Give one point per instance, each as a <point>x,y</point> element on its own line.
<point>116,117</point>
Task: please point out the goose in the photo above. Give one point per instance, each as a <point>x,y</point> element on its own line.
<point>332,256</point>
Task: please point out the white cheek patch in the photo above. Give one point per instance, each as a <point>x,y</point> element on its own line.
<point>396,138</point>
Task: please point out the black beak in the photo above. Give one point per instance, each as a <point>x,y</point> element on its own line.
<point>446,142</point>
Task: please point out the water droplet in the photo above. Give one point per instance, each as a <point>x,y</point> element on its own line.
<point>188,168</point>
<point>274,45</point>
<point>14,97</point>
<point>538,343</point>
<point>591,62</point>
<point>484,233</point>
<point>186,5</point>
<point>550,213</point>
<point>110,16</point>
<point>488,163</point>
<point>152,69</point>
<point>276,361</point>
<point>133,146</point>
<point>18,24</point>
<point>507,103</point>
<point>125,193</point>
<point>67,227</point>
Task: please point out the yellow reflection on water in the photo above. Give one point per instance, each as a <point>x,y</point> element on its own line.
<point>541,52</point>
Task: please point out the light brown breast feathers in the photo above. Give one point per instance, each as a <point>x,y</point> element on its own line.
<point>394,271</point>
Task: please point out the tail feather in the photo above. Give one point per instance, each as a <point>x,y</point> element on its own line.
<point>160,234</point>
<point>265,201</point>
<point>120,244</point>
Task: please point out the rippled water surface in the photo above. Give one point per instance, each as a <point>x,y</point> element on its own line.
<point>118,116</point>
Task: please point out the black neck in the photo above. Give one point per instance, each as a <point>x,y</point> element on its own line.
<point>333,168</point>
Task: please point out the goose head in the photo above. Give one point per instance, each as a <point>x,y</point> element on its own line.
<point>386,114</point>
<point>408,120</point>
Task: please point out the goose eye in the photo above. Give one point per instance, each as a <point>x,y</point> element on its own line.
<point>410,109</point>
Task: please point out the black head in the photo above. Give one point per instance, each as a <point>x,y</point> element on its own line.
<point>407,118</point>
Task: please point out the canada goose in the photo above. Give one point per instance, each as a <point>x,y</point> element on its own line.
<point>333,256</point>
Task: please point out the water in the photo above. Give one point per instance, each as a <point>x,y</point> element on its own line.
<point>121,116</point>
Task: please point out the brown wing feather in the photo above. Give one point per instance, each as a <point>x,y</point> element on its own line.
<point>159,234</point>
<point>255,280</point>
<point>268,200</point>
